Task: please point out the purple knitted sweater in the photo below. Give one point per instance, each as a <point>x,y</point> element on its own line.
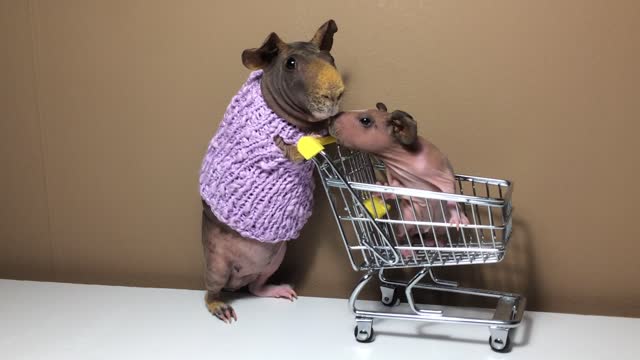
<point>245,178</point>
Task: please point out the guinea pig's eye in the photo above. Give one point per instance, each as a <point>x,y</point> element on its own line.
<point>366,122</point>
<point>291,63</point>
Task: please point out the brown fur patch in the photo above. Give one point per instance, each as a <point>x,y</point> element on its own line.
<point>328,79</point>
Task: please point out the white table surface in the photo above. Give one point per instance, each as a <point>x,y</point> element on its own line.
<point>42,320</point>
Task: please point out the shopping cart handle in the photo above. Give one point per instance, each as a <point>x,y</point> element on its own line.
<point>310,146</point>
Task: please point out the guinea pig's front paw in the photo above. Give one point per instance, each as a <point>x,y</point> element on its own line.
<point>276,291</point>
<point>222,311</point>
<point>289,151</point>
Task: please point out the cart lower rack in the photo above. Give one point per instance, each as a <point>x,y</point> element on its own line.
<point>384,227</point>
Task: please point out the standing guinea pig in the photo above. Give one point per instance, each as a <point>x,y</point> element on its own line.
<point>256,192</point>
<point>410,160</point>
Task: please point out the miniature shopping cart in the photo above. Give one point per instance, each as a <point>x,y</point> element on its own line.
<point>378,237</point>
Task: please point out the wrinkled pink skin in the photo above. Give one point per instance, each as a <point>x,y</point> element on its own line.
<point>419,166</point>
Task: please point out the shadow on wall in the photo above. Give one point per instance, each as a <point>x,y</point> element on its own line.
<point>516,273</point>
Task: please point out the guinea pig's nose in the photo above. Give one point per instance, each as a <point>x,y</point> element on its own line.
<point>333,96</point>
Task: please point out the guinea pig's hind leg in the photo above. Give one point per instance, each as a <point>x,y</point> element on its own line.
<point>217,274</point>
<point>217,266</point>
<point>259,287</point>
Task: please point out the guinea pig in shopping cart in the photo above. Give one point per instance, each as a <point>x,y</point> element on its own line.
<point>256,192</point>
<point>410,161</point>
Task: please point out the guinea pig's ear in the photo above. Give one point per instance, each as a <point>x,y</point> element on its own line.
<point>323,38</point>
<point>259,58</point>
<point>403,127</point>
<point>382,107</point>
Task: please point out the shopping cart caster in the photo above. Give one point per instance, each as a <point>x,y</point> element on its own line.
<point>390,296</point>
<point>364,330</point>
<point>500,340</point>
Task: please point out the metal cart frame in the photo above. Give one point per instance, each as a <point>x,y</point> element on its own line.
<point>380,238</point>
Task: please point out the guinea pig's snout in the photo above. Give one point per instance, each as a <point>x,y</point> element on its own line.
<point>333,131</point>
<point>334,103</point>
<point>324,109</point>
<point>326,90</point>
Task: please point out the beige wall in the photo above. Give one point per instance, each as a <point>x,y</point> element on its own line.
<point>107,108</point>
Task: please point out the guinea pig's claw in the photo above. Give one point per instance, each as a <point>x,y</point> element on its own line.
<point>293,295</point>
<point>290,294</point>
<point>286,292</point>
<point>222,311</point>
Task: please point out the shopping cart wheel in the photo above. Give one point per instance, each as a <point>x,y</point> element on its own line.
<point>390,296</point>
<point>500,345</point>
<point>364,330</point>
<point>363,336</point>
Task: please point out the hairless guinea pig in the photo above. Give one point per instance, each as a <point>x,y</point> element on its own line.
<point>410,160</point>
<point>256,192</point>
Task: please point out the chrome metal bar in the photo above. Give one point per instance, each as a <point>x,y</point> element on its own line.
<point>329,166</point>
<point>441,319</point>
<point>500,320</point>
<point>441,282</point>
<point>415,216</point>
<point>462,233</point>
<point>479,179</point>
<point>389,228</point>
<point>335,214</point>
<point>357,289</point>
<point>409,294</point>
<point>444,217</point>
<point>435,195</point>
<point>434,232</point>
<point>404,227</point>
<point>493,231</point>
<point>426,223</point>
<point>396,256</point>
<point>356,231</point>
<point>455,289</point>
<point>432,248</point>
<point>475,221</point>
